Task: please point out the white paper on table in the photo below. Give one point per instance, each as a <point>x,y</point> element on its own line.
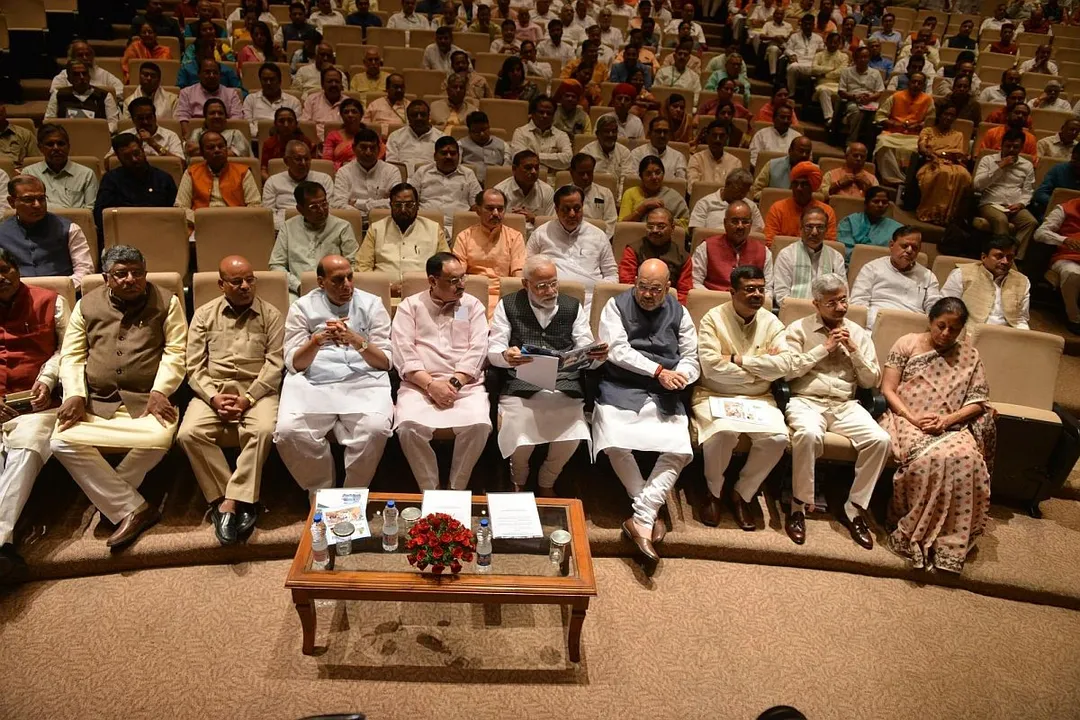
<point>337,504</point>
<point>455,503</point>
<point>739,410</point>
<point>514,515</point>
<point>540,372</point>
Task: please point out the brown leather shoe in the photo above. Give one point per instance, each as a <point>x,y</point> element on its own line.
<point>860,533</point>
<point>130,527</point>
<point>744,516</point>
<point>659,531</point>
<point>711,511</point>
<point>643,544</point>
<point>795,526</point>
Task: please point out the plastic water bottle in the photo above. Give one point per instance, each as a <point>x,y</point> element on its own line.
<point>390,527</point>
<point>320,555</point>
<point>483,547</point>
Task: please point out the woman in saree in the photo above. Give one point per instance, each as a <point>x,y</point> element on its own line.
<point>901,117</point>
<point>943,438</point>
<point>674,111</point>
<point>338,145</point>
<point>640,200</point>
<point>780,97</point>
<point>944,180</point>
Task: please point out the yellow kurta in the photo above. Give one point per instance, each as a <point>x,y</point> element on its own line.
<point>386,249</point>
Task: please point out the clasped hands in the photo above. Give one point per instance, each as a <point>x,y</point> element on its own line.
<point>930,423</point>
<point>839,337</point>
<point>337,332</point>
<point>229,407</point>
<point>73,411</point>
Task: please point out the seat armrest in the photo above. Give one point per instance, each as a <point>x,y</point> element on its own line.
<point>873,401</point>
<point>781,393</point>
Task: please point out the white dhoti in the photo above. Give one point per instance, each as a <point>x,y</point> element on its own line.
<point>1069,283</point>
<point>114,492</point>
<point>719,436</point>
<point>797,71</point>
<point>24,450</point>
<point>417,419</point>
<point>810,418</point>
<point>303,447</point>
<point>546,418</point>
<point>891,155</point>
<point>619,432</point>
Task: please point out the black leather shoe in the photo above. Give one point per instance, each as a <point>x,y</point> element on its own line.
<point>860,533</point>
<point>246,515</point>
<point>10,561</point>
<point>795,525</point>
<point>225,527</point>
<point>711,510</point>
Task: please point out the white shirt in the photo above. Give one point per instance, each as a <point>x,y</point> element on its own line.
<point>775,30</point>
<point>363,189</point>
<point>164,103</point>
<point>880,285</point>
<point>168,141</point>
<point>696,32</point>
<point>631,129</point>
<point>613,163</point>
<point>699,265</point>
<point>320,21</point>
<point>112,113</point>
<point>1011,185</point>
<point>1047,233</point>
<point>257,107</point>
<point>405,146</point>
<point>583,256</point>
<point>435,60</point>
<point>539,69</point>
<point>901,69</point>
<point>278,192</point>
<point>710,210</point>
<point>954,287</point>
<point>613,332</point>
<point>552,145</point>
<point>371,391</point>
<point>992,94</point>
<point>1028,64</point>
<point>768,140</point>
<point>992,24</point>
<point>600,204</point>
<point>854,83</point>
<point>1052,147</point>
<point>687,79</point>
<point>804,48</point>
<point>783,272</point>
<point>401,21</point>
<point>539,202</point>
<point>546,49</point>
<point>1061,105</point>
<point>98,78</point>
<point>451,193</point>
<point>674,161</point>
<point>612,37</point>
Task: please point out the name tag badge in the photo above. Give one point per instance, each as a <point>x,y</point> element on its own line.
<point>598,201</point>
<point>461,313</point>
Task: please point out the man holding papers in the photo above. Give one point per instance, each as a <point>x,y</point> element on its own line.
<point>738,342</point>
<point>540,405</point>
<point>652,359</point>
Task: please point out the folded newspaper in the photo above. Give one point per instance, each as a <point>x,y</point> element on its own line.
<point>569,360</point>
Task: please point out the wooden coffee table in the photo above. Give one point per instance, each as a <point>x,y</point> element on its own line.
<point>521,572</point>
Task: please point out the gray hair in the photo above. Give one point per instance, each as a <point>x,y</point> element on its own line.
<point>534,263</point>
<point>295,145</point>
<point>827,284</point>
<point>740,176</point>
<point>121,254</point>
<point>606,120</point>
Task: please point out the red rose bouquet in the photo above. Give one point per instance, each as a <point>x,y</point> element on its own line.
<point>440,541</point>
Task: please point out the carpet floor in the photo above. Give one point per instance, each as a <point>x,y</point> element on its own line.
<point>699,640</point>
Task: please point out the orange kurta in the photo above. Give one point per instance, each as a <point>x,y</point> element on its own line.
<point>785,218</point>
<point>494,255</point>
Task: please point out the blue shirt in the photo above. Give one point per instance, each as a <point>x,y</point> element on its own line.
<point>1060,176</point>
<point>743,80</point>
<point>883,63</point>
<point>189,75</point>
<point>856,229</point>
<point>621,73</point>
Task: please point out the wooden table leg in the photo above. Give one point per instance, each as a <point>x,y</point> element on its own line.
<point>305,608</point>
<point>573,640</point>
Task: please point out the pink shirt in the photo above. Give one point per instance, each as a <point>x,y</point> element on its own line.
<point>381,112</point>
<point>496,257</point>
<point>319,110</point>
<point>193,97</point>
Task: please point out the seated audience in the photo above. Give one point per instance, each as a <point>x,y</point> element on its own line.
<point>402,242</point>
<point>144,47</point>
<point>1051,99</point>
<point>717,256</point>
<point>551,145</point>
<point>826,69</point>
<point>80,100</point>
<point>709,211</point>
<point>785,216</point>
<point>216,182</point>
<point>455,108</point>
<point>852,179</point>
<point>902,117</point>
<point>652,359</point>
<point>657,146</point>
<point>1006,183</point>
<point>16,141</point>
<point>944,180</point>
<point>580,250</point>
<point>193,98</point>
<point>236,390</point>
<point>373,79</point>
<point>414,144</point>
<point>208,49</point>
<point>859,86</point>
<point>123,357</point>
<point>1060,146</point>
<point>440,357</point>
<point>322,106</point>
<point>42,244</point>
<point>480,148</point>
<point>215,119</point>
<point>993,290</point>
<point>81,51</point>
<point>337,362</point>
<point>490,247</point>
<point>610,154</point>
<point>279,190</point>
<point>657,244</point>
<point>872,226</point>
<point>67,184</point>
<point>1010,79</point>
<point>800,263</point>
<point>1064,175</point>
<point>570,117</point>
<point>364,183</point>
<point>525,193</point>
<point>637,201</point>
<point>777,172</point>
<point>897,281</point>
<point>150,88</point>
<point>286,130</point>
<point>136,183</point>
<point>777,138</point>
<point>599,203</point>
<point>712,165</point>
<point>943,432</point>
<point>1061,230</point>
<point>628,124</point>
<point>156,140</point>
<point>476,83</point>
<point>338,145</point>
<point>308,79</point>
<point>445,184</point>
<point>391,109</point>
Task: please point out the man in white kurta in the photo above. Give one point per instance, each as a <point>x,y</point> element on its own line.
<point>446,185</point>
<point>736,341</point>
<point>414,144</point>
<point>539,316</point>
<point>279,190</point>
<point>799,264</point>
<point>652,358</point>
<point>30,356</point>
<point>440,342</point>
<point>124,354</point>
<point>830,358</point>
<point>898,281</point>
<point>525,193</point>
<point>337,362</point>
<point>364,183</point>
<point>673,160</point>
<point>580,250</point>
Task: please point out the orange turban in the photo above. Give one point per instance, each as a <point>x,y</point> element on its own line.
<point>624,89</point>
<point>808,170</point>
<point>568,86</point>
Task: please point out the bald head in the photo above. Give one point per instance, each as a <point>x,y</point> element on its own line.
<point>234,264</point>
<point>653,270</point>
<point>236,280</point>
<point>330,263</point>
<point>650,289</point>
<point>335,277</point>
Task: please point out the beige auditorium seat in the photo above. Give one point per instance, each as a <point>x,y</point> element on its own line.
<point>352,215</point>
<point>890,325</point>
<point>769,196</point>
<point>844,205</point>
<point>249,72</point>
<point>160,233</point>
<point>509,114</point>
<point>277,165</point>
<point>627,233</point>
<point>85,220</point>
<point>700,301</point>
<point>172,165</point>
<point>863,254</point>
<point>271,285</point>
<point>88,137</point>
<point>602,292</point>
<point>945,264</point>
<point>376,283</point>
<point>465,220</point>
<point>60,285</point>
<point>169,280</point>
<point>764,158</point>
<point>576,290</point>
<point>792,309</point>
<point>496,174</point>
<point>701,189</point>
<point>220,232</point>
<point>414,282</point>
<point>1059,196</point>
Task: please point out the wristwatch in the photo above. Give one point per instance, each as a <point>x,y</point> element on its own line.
<point>362,345</point>
<point>455,382</point>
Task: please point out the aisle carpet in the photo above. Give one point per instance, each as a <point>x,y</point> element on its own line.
<point>702,640</point>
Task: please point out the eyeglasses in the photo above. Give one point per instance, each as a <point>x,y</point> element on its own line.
<point>650,289</point>
<point>545,286</point>
<point>320,205</point>
<point>833,304</point>
<point>410,205</point>
<point>458,281</point>
<point>753,289</point>
<point>239,282</point>
<point>30,199</point>
<point>656,227</point>
<point>121,274</point>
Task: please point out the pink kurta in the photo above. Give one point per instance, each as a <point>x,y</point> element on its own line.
<point>442,341</point>
<point>495,257</point>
